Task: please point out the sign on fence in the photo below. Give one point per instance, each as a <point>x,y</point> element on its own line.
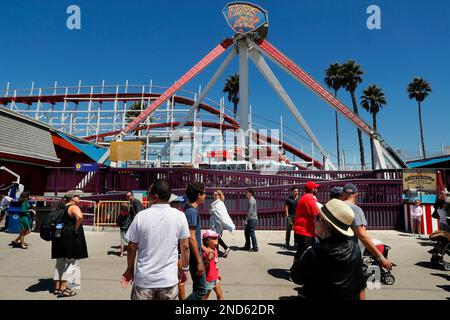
<point>420,179</point>
<point>86,167</point>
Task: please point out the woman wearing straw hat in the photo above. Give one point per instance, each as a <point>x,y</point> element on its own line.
<point>332,268</point>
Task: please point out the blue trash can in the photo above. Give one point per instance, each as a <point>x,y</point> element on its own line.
<point>14,211</point>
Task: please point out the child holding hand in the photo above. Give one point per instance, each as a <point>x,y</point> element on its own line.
<point>210,241</point>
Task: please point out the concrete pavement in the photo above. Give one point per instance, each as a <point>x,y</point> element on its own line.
<point>27,274</point>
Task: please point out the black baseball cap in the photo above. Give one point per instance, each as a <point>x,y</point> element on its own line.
<point>336,192</point>
<point>350,188</point>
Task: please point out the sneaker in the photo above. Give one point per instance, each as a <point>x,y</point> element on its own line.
<point>254,250</point>
<point>245,248</point>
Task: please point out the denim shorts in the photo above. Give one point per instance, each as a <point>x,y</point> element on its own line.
<point>210,285</point>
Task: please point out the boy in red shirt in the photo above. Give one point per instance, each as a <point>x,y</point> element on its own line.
<point>305,215</point>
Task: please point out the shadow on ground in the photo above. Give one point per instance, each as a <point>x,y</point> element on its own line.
<point>279,245</point>
<point>298,296</point>
<point>427,243</point>
<point>287,253</point>
<point>445,287</point>
<point>405,235</point>
<point>113,253</point>
<point>442,275</point>
<point>280,274</point>
<point>42,285</point>
<point>428,265</point>
<point>236,248</point>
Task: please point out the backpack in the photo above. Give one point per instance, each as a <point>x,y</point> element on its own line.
<point>48,226</point>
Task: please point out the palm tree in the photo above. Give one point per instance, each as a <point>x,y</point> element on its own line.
<point>135,110</point>
<point>419,89</point>
<point>232,88</point>
<point>373,100</point>
<point>351,78</point>
<point>333,79</point>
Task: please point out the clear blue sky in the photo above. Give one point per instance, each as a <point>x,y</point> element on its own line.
<point>160,40</point>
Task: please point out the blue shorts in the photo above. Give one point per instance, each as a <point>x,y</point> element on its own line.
<point>210,285</point>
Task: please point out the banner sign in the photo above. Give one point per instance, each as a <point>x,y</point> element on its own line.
<point>86,167</point>
<point>244,17</point>
<point>419,179</point>
<point>125,150</point>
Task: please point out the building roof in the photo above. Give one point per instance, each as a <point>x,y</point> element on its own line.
<point>95,152</point>
<point>428,162</point>
<point>26,138</point>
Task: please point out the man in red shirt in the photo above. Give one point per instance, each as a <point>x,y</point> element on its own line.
<point>305,215</point>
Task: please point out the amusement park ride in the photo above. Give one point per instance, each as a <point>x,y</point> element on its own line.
<point>164,127</point>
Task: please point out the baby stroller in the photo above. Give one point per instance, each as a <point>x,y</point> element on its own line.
<point>369,260</point>
<point>441,248</point>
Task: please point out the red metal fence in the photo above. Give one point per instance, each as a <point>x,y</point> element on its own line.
<point>379,191</point>
<point>64,179</point>
<point>380,200</point>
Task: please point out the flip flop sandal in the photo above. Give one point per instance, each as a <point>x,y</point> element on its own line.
<point>67,293</point>
<point>57,292</point>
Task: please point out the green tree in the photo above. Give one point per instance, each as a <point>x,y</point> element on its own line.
<point>419,89</point>
<point>134,111</point>
<point>351,78</point>
<point>372,100</point>
<point>333,79</point>
<point>232,89</point>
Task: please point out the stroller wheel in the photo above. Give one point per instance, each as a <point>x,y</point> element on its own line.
<point>389,279</point>
<point>446,266</point>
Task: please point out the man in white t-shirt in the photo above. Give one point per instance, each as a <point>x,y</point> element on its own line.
<point>154,235</point>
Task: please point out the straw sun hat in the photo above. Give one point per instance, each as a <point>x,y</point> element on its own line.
<point>338,214</point>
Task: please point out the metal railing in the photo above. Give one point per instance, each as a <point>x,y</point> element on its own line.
<point>108,211</point>
<point>64,179</point>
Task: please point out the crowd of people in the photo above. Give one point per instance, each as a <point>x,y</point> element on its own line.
<point>330,237</point>
<point>182,249</point>
<point>165,244</point>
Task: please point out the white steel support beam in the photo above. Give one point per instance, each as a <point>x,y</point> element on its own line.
<point>243,95</point>
<point>89,111</point>
<point>115,109</point>
<point>378,156</point>
<point>63,116</point>
<point>124,113</point>
<point>264,68</point>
